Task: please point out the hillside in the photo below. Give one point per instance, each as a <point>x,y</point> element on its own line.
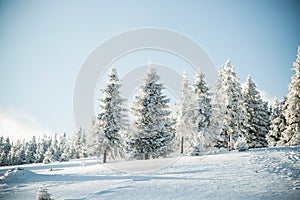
<point>272,173</point>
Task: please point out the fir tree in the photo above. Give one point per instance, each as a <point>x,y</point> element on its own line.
<point>31,150</point>
<point>278,123</point>
<point>7,146</point>
<point>234,116</point>
<point>62,152</point>
<point>94,147</point>
<point>152,125</point>
<point>203,112</point>
<point>21,155</point>
<point>291,135</point>
<point>257,111</point>
<point>186,122</point>
<point>111,121</point>
<point>39,156</point>
<point>54,148</point>
<point>48,156</point>
<point>220,138</point>
<point>3,159</point>
<point>76,147</point>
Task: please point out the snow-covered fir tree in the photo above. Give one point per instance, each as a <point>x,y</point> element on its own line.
<point>234,116</point>
<point>203,102</point>
<point>63,148</point>
<point>291,135</point>
<point>7,146</point>
<point>31,150</point>
<point>54,148</point>
<point>3,159</point>
<point>48,158</point>
<point>186,127</point>
<point>94,149</point>
<point>203,112</point>
<point>5,151</point>
<point>39,156</point>
<point>152,125</point>
<point>216,129</point>
<point>111,122</point>
<point>76,147</point>
<point>258,116</point>
<point>278,123</point>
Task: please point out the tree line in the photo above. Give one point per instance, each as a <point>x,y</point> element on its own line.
<point>225,116</point>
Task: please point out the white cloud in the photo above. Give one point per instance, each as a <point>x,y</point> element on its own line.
<point>266,97</point>
<point>18,124</point>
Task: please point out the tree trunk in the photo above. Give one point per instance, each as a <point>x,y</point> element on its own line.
<point>104,156</point>
<point>146,156</point>
<point>181,145</point>
<point>230,142</point>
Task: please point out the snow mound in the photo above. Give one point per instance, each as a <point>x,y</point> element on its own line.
<point>16,175</point>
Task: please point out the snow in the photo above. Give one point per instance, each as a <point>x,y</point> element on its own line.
<point>268,173</point>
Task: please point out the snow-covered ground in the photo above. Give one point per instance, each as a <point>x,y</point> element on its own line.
<point>272,173</point>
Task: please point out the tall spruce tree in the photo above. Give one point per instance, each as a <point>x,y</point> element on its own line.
<point>186,123</point>
<point>291,135</point>
<point>203,112</point>
<point>278,123</point>
<point>111,121</point>
<point>257,111</point>
<point>152,124</point>
<point>203,102</point>
<point>234,116</point>
<point>220,138</point>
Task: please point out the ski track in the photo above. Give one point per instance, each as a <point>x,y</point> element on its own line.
<point>256,174</point>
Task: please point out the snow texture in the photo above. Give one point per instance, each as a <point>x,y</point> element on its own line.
<point>255,174</point>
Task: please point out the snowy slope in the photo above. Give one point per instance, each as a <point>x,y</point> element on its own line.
<point>272,173</point>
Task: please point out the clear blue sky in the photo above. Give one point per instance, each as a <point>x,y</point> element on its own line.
<point>44,43</point>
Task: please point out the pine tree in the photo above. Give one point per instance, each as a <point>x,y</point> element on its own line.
<point>54,148</point>
<point>39,156</point>
<point>257,111</point>
<point>111,121</point>
<point>94,147</point>
<point>48,156</point>
<point>203,112</point>
<point>7,146</point>
<point>220,138</point>
<point>3,158</point>
<point>31,150</point>
<point>278,123</point>
<point>234,115</point>
<point>21,155</point>
<point>12,155</point>
<point>291,135</point>
<point>186,122</point>
<point>152,125</point>
<point>76,146</point>
<point>63,148</point>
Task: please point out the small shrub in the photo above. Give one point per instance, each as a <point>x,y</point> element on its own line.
<point>43,194</point>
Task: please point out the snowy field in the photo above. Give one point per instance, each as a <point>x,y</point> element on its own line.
<point>272,173</point>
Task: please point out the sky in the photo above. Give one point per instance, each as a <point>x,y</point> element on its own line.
<point>43,45</point>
